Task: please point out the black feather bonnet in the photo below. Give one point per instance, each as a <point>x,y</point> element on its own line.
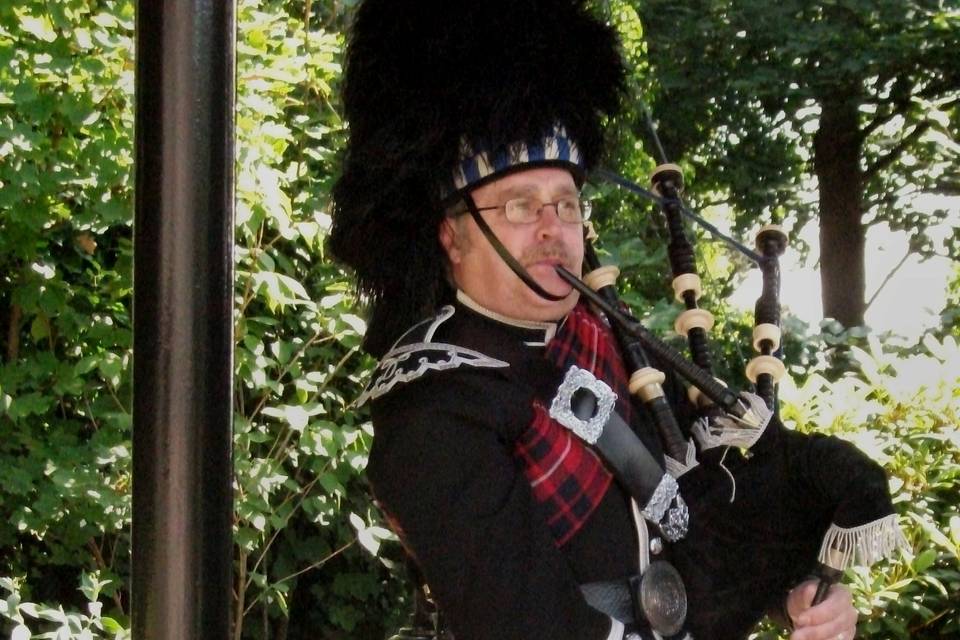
<point>423,82</point>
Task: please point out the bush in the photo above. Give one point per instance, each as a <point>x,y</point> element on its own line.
<point>31,620</point>
<point>66,89</point>
<point>66,106</point>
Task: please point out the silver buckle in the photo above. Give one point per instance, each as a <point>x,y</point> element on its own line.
<point>560,409</point>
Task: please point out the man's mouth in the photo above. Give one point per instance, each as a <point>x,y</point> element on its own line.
<point>550,262</point>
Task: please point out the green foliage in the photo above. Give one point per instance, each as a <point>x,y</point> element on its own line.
<point>31,620</point>
<point>66,89</point>
<point>305,528</point>
<point>764,70</point>
<point>950,316</point>
<point>901,409</point>
<point>306,531</point>
<point>858,100</point>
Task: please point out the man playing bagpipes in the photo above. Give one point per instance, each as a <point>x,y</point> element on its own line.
<point>524,482</point>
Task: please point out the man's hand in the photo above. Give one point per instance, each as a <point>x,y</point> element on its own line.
<point>833,619</point>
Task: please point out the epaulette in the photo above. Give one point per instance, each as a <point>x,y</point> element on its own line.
<point>416,353</point>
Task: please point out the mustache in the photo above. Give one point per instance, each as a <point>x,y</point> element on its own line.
<point>550,250</point>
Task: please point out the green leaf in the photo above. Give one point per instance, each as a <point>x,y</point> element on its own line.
<point>355,322</point>
<point>39,27</point>
<point>111,366</point>
<point>29,404</point>
<point>86,365</point>
<point>111,626</point>
<point>82,36</point>
<point>923,561</point>
<point>91,584</point>
<point>282,350</point>
<point>331,484</point>
<point>296,417</point>
<point>936,536</point>
<point>282,603</point>
<point>39,328</point>
<point>104,20</point>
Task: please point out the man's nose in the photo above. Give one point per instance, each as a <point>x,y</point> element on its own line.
<point>548,221</point>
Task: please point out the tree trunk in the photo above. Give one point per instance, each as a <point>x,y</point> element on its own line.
<point>837,149</point>
<point>13,333</point>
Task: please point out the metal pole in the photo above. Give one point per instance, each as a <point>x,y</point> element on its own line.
<point>182,315</point>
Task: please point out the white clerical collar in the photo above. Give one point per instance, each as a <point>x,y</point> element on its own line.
<point>546,329</point>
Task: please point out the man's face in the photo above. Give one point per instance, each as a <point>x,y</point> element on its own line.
<point>538,247</point>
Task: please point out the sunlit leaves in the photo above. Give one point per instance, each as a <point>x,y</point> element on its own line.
<point>66,153</point>
<point>82,626</point>
<point>901,410</point>
<point>369,536</point>
<point>299,450</point>
<point>40,27</point>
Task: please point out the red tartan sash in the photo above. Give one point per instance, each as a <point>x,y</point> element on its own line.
<point>564,473</point>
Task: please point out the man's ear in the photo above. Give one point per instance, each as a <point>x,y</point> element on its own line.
<point>449,239</point>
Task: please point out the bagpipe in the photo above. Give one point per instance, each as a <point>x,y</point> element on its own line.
<point>768,506</point>
<point>763,507</point>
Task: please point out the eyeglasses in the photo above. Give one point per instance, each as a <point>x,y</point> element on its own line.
<point>527,210</point>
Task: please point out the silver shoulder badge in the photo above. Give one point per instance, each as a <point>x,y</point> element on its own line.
<point>410,361</point>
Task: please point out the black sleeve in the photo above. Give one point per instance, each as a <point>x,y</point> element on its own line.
<point>442,467</point>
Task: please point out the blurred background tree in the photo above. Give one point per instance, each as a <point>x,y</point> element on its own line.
<point>858,100</point>
<point>739,92</point>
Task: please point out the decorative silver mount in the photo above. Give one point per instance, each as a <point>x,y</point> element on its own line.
<point>667,509</point>
<point>662,598</point>
<point>407,363</point>
<point>561,410</point>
